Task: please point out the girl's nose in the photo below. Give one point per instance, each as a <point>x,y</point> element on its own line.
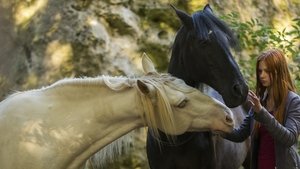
<point>262,74</point>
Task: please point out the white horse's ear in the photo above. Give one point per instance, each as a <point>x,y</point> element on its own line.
<point>145,88</point>
<point>148,65</point>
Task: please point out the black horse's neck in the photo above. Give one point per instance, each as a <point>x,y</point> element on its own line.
<point>177,66</point>
<point>179,140</point>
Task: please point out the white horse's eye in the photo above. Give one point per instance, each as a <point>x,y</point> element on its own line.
<point>182,103</point>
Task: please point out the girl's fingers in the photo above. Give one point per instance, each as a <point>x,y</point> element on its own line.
<point>251,93</point>
<point>254,101</point>
<point>253,96</point>
<point>251,103</point>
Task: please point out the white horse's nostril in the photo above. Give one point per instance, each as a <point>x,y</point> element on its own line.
<point>228,119</point>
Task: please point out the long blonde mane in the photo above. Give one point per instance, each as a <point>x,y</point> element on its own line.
<point>149,115</point>
<point>118,84</point>
<point>157,81</point>
<point>121,83</point>
<point>165,110</point>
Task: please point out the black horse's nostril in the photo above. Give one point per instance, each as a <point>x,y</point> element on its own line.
<point>237,89</point>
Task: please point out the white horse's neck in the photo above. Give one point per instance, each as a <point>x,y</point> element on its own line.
<point>112,114</point>
<point>84,119</point>
<point>121,117</point>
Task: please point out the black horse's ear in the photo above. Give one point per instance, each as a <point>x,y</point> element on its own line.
<point>184,17</point>
<point>208,9</point>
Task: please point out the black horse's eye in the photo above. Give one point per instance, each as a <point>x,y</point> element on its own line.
<point>204,42</point>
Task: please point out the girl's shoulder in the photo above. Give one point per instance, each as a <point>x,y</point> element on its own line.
<point>292,95</point>
<point>293,99</point>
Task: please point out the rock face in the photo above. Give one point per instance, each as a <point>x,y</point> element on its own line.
<point>43,41</point>
<point>50,40</point>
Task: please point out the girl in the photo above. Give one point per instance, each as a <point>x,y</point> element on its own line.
<point>276,113</point>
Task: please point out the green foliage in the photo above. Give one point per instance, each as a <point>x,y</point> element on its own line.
<point>255,37</point>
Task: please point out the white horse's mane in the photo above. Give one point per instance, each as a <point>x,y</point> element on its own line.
<point>113,82</point>
<point>120,83</point>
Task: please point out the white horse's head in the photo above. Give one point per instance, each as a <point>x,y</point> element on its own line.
<point>174,107</point>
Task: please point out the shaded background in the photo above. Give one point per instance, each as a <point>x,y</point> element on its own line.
<point>42,41</point>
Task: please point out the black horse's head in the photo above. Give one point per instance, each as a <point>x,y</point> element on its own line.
<point>201,54</point>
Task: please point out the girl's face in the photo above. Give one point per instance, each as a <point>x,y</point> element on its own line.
<point>264,74</point>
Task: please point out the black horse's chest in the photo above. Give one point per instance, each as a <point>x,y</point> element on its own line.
<point>196,153</point>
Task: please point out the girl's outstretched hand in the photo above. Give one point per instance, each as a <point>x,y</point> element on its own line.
<point>254,101</point>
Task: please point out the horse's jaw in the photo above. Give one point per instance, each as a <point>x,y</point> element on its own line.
<point>226,129</point>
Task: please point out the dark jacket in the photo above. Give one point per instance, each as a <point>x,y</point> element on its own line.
<point>285,136</point>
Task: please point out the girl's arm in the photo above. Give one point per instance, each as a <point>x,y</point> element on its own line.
<point>287,134</point>
<point>242,133</point>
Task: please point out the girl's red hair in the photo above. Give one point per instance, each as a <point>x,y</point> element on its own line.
<point>281,82</point>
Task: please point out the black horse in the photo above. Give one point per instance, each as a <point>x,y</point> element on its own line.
<point>201,54</point>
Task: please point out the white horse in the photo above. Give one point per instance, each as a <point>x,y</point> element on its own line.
<point>62,125</point>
